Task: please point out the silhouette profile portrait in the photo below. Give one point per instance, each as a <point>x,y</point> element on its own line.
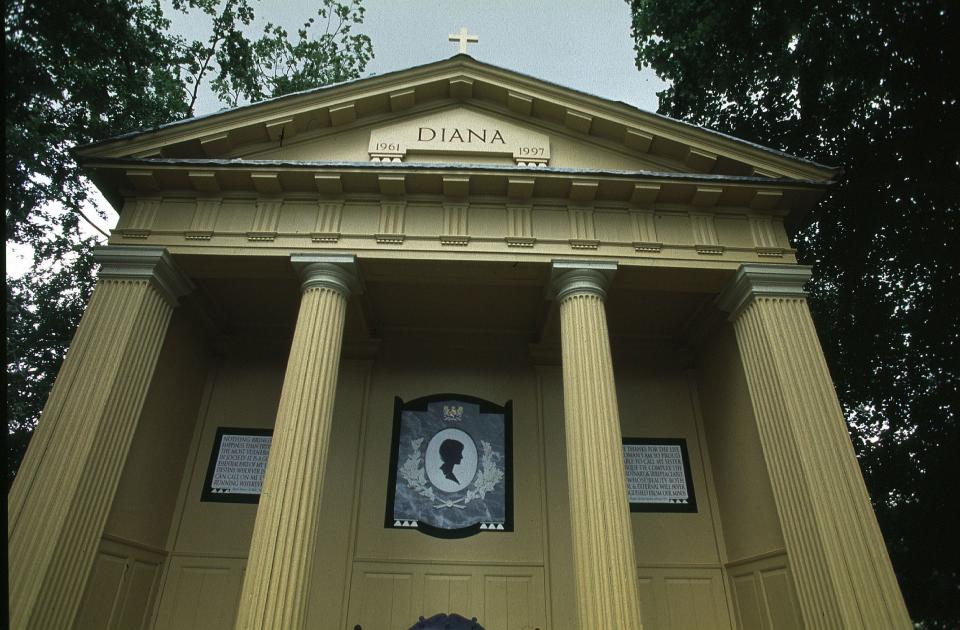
<point>451,452</point>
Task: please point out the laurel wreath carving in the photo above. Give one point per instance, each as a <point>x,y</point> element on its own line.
<point>413,472</point>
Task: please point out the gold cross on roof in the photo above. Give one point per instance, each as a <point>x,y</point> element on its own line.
<point>463,38</point>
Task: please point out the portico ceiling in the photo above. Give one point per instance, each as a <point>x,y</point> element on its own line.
<point>246,299</point>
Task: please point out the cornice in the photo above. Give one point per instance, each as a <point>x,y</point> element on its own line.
<point>415,167</point>
<point>123,178</point>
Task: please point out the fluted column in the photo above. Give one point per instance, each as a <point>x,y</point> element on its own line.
<point>61,497</point>
<point>837,555</point>
<point>603,555</point>
<point>277,580</point>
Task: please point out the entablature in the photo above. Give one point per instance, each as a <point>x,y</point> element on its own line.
<point>170,177</point>
<point>453,224</point>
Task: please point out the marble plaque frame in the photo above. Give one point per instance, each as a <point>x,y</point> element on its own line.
<point>415,485</point>
<point>208,494</point>
<point>691,505</point>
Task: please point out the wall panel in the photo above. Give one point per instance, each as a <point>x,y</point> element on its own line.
<point>447,592</point>
<point>103,590</point>
<point>764,594</point>
<point>174,214</point>
<point>383,600</point>
<point>360,218</point>
<point>299,217</point>
<point>683,598</point>
<point>393,596</point>
<point>510,601</point>
<point>121,588</point>
<point>235,216</point>
<point>613,226</point>
<point>135,608</point>
<point>201,592</point>
<point>487,221</point>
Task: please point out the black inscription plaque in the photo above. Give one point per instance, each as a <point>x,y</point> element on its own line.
<point>658,475</point>
<point>237,464</point>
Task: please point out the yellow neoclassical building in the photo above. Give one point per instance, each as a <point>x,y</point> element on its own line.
<point>514,351</point>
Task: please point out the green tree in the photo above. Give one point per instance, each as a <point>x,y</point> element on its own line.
<point>871,86</point>
<point>80,71</point>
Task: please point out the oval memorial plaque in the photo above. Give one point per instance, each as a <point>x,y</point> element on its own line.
<point>451,460</point>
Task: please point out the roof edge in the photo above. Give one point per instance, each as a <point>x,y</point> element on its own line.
<point>107,162</point>
<point>466,61</point>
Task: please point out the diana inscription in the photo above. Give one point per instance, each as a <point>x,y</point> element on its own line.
<point>459,132</point>
<point>467,136</point>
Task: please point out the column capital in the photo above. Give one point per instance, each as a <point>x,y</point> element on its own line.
<point>571,277</point>
<point>755,280</point>
<point>129,262</point>
<point>332,271</point>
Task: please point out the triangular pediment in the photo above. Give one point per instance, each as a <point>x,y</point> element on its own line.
<point>458,134</point>
<point>451,111</point>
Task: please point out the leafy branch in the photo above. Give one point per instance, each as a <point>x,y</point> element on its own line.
<point>250,70</point>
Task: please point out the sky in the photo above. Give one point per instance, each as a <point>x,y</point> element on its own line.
<point>582,44</point>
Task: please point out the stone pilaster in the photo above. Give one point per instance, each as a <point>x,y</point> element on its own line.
<point>603,555</point>
<point>837,555</point>
<point>62,495</point>
<point>277,579</point>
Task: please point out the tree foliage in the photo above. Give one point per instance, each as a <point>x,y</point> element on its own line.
<point>66,85</point>
<point>870,86</point>
<point>43,310</point>
<point>78,71</point>
<point>242,69</point>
